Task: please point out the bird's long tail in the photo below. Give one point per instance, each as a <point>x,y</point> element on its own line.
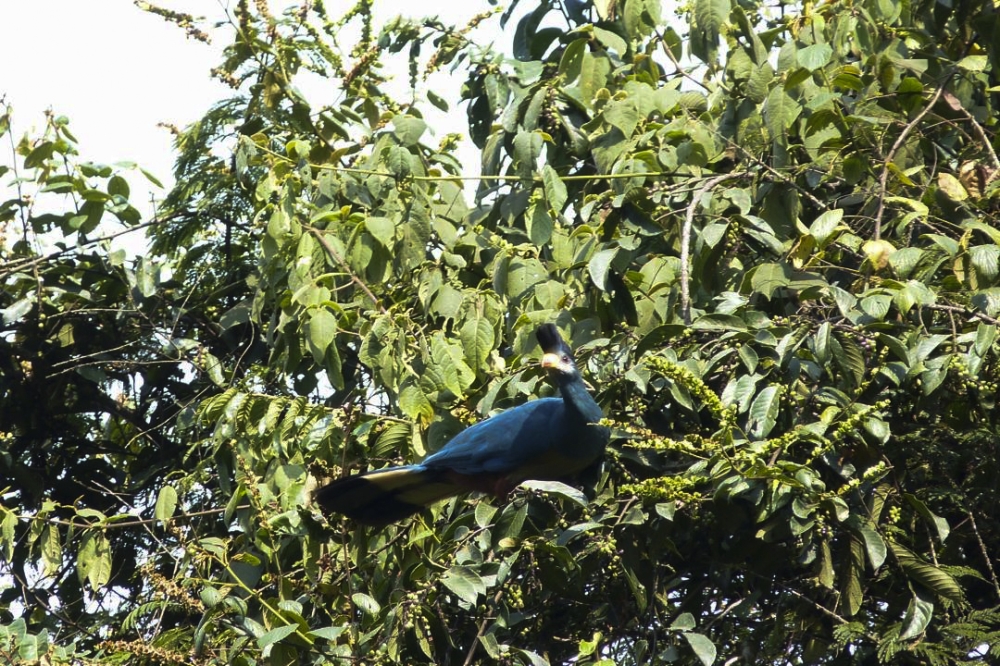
<point>387,495</point>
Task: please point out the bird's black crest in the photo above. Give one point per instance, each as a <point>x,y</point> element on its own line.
<point>550,340</point>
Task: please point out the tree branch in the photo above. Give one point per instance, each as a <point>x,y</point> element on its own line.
<point>686,239</point>
<point>884,177</point>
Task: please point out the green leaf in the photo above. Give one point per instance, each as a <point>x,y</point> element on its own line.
<point>94,560</point>
<point>600,265</point>
<point>516,277</point>
<point>986,260</point>
<point>210,596</point>
<point>780,111</point>
<point>587,648</point>
<point>39,154</point>
<point>623,115</point>
<point>398,161</point>
<point>489,643</point>
<point>584,72</point>
<point>905,260</point>
<point>849,358</point>
<point>423,640</point>
<point>414,403</point>
<point>118,186</point>
<point>986,335</point>
<point>382,229</point>
<point>876,306</point>
<point>147,277</point>
<point>539,223</point>
<point>449,361</point>
<point>740,391</point>
<point>557,488</point>
<point>484,513</point>
<point>532,658</point>
<point>52,554</point>
<point>826,577</point>
<point>151,178</point>
<point>917,618</point>
<point>821,343</point>
<point>464,583</point>
<point>949,245</point>
<point>764,412</point>
<point>478,340</point>
<point>933,578</point>
<point>408,129</point>
<point>683,622</point>
<point>321,333</point>
<point>768,278</point>
<point>940,524</point>
<point>853,593</point>
<point>166,504</point>
<point>574,531</point>
<point>527,149</point>
<point>438,101</point>
<point>711,16</point>
<point>367,604</point>
<point>666,510</point>
<point>611,40</point>
<point>874,545</point>
<point>276,635</point>
<point>702,645</point>
<point>328,633</point>
<point>824,226</point>
<point>641,17</point>
<point>7,527</point>
<point>718,322</point>
<point>555,188</point>
<point>814,57</point>
<point>21,307</point>
<point>974,63</point>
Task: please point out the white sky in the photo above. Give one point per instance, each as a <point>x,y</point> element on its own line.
<point>117,71</point>
<point>113,69</point>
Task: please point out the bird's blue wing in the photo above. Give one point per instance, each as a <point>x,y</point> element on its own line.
<point>504,443</point>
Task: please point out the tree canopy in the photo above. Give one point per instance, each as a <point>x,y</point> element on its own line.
<point>770,232</point>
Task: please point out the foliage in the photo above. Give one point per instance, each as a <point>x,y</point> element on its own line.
<point>771,237</point>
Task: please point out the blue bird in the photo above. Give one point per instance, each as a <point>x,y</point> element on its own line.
<point>544,439</point>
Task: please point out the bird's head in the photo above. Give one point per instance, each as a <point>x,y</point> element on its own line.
<point>557,357</point>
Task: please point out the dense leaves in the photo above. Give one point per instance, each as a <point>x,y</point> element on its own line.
<point>770,235</point>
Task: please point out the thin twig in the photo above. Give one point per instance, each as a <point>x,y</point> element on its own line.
<point>680,70</point>
<point>788,180</point>
<point>985,552</point>
<point>14,267</point>
<point>884,177</point>
<point>340,260</point>
<point>823,609</point>
<point>982,134</point>
<point>106,524</point>
<point>482,630</point>
<point>965,311</point>
<point>483,178</point>
<point>686,240</point>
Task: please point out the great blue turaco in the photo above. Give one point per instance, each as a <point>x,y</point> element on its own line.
<point>543,439</point>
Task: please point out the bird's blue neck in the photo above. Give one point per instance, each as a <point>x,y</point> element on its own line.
<point>578,398</point>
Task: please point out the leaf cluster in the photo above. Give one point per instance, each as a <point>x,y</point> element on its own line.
<point>769,231</point>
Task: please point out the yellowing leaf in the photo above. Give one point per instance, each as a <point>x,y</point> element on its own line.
<point>878,252</point>
<point>952,187</point>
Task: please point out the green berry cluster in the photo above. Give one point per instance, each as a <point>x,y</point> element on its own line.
<point>968,381</point>
<point>664,488</point>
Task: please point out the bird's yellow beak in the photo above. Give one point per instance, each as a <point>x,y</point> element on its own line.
<point>551,360</point>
